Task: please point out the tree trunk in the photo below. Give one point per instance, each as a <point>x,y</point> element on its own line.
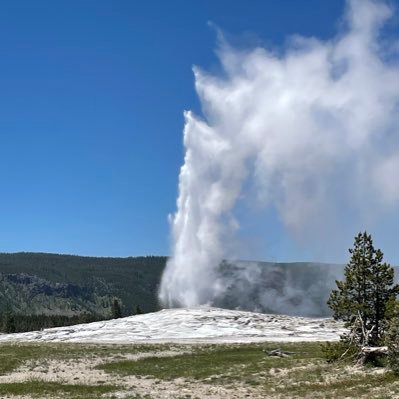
<point>370,352</point>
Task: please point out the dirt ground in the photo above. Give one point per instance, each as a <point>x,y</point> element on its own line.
<point>83,371</point>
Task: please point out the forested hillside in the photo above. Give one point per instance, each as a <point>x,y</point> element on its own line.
<point>66,285</point>
<point>38,283</point>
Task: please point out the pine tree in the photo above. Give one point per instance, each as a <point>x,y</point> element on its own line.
<point>138,310</point>
<point>392,337</point>
<point>116,311</point>
<point>9,322</point>
<point>360,300</point>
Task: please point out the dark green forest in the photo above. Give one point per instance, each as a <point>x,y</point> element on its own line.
<point>67,285</point>
<point>40,290</point>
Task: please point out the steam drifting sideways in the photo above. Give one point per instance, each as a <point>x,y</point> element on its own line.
<point>313,130</point>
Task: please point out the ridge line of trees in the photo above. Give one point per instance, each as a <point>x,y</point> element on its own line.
<point>12,322</point>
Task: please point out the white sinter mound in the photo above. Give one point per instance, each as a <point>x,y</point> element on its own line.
<point>199,324</point>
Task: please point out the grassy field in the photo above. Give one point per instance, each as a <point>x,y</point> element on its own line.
<point>184,371</point>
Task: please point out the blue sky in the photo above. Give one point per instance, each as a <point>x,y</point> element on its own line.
<point>92,95</point>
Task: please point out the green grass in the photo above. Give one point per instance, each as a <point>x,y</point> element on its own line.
<point>14,355</point>
<point>222,361</point>
<point>304,374</point>
<point>351,386</point>
<point>40,389</point>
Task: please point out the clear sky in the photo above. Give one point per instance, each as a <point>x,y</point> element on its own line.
<point>92,95</point>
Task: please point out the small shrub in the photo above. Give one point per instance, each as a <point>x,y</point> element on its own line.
<point>341,350</point>
<point>392,341</point>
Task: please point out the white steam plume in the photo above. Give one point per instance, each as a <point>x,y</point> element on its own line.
<point>314,129</point>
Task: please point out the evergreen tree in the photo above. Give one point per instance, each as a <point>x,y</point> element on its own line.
<point>360,300</point>
<point>9,322</point>
<point>392,337</point>
<point>116,311</point>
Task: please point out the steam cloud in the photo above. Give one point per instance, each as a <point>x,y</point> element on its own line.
<point>312,130</point>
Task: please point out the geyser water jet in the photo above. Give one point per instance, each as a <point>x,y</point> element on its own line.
<point>314,129</point>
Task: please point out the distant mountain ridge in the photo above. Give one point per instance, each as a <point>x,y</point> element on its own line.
<point>36,283</point>
<point>27,294</point>
<point>41,283</point>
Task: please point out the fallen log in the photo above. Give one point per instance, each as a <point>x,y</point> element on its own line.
<point>369,352</point>
<point>378,350</point>
<point>279,353</point>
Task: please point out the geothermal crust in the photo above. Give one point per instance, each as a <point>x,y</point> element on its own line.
<point>201,324</point>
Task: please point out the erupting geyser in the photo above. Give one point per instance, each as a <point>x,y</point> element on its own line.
<point>314,129</point>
